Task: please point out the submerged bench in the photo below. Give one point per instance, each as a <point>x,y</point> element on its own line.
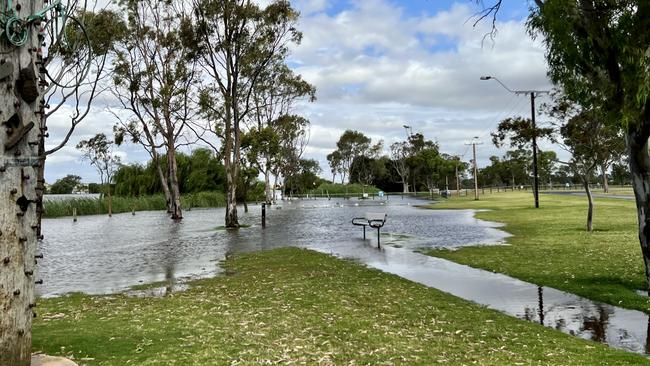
<point>374,220</point>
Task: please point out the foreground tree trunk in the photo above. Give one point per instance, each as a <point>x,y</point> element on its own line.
<point>20,103</point>
<point>406,187</point>
<point>637,143</point>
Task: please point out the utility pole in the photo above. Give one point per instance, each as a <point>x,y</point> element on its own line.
<point>474,143</point>
<point>535,175</point>
<point>533,94</point>
<point>21,108</point>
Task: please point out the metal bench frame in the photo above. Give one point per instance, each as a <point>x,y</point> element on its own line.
<point>374,220</point>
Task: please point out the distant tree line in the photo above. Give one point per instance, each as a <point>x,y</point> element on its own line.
<point>413,165</point>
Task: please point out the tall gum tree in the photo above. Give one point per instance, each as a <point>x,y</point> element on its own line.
<point>237,41</point>
<point>274,96</point>
<point>154,78</point>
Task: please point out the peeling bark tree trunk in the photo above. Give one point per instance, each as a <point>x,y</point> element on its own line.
<point>176,211</point>
<point>637,144</point>
<point>590,199</point>
<point>164,183</point>
<point>231,163</point>
<point>19,162</point>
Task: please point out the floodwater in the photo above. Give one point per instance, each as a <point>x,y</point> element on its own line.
<point>100,255</point>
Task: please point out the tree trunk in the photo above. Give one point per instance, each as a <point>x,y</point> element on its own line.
<point>275,184</point>
<point>232,220</point>
<point>231,164</point>
<point>406,187</point>
<point>163,183</point>
<point>176,213</point>
<point>637,144</point>
<point>19,164</point>
<point>267,187</point>
<point>590,199</point>
<point>603,169</point>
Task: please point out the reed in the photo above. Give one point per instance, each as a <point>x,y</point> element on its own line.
<point>127,204</point>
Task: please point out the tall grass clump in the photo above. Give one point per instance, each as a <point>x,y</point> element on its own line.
<point>87,206</point>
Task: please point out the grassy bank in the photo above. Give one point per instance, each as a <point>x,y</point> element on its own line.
<point>293,306</point>
<point>551,247</point>
<point>126,204</point>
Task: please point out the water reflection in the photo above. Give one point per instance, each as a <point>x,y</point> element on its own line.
<point>103,255</point>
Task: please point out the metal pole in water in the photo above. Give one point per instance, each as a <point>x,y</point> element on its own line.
<point>263,214</point>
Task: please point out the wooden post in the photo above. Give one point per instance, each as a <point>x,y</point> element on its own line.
<point>74,214</point>
<point>21,109</point>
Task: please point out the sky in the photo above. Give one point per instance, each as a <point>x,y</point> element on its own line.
<point>378,65</point>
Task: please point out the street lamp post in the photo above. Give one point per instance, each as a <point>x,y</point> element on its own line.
<point>533,94</point>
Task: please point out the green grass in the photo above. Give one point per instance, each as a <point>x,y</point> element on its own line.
<point>293,306</point>
<point>551,247</point>
<point>126,204</point>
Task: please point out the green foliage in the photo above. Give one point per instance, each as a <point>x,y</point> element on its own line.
<point>127,204</point>
<point>104,29</point>
<point>198,172</point>
<point>519,133</point>
<point>304,178</point>
<point>65,185</point>
<point>341,313</point>
<point>621,173</point>
<point>592,55</point>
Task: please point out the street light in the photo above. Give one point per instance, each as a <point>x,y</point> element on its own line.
<point>532,93</point>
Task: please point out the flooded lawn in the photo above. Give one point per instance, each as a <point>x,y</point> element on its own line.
<point>99,255</point>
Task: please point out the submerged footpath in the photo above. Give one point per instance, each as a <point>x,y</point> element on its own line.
<point>294,305</point>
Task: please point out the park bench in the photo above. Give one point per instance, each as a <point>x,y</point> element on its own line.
<point>374,220</point>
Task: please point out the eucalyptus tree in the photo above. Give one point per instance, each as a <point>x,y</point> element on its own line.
<point>237,41</point>
<point>591,141</point>
<point>430,164</point>
<point>399,153</point>
<point>334,159</point>
<point>274,96</point>
<point>154,80</point>
<point>98,150</point>
<point>351,144</point>
<point>368,166</point>
<point>293,133</point>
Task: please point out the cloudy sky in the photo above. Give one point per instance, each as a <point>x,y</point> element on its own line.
<point>380,64</point>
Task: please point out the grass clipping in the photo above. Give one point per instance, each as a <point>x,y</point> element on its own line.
<point>294,306</point>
